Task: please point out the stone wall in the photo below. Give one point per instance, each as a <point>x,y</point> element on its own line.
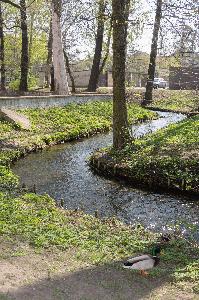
<point>49,101</point>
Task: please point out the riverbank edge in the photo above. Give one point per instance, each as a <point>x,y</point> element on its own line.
<point>132,232</point>
<point>188,114</point>
<point>105,165</point>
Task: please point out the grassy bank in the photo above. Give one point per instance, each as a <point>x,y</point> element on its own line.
<point>55,125</point>
<point>168,158</point>
<point>86,257</point>
<point>184,100</point>
<point>177,100</point>
<point>36,220</point>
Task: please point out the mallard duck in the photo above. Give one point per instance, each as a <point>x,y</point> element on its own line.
<point>144,262</point>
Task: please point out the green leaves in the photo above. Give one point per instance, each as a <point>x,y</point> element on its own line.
<point>167,158</point>
<point>8,180</point>
<point>185,101</point>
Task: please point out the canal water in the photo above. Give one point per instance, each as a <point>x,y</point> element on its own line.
<point>62,171</point>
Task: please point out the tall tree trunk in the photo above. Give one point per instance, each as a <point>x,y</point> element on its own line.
<point>49,59</point>
<point>3,75</point>
<point>120,11</point>
<point>60,76</point>
<point>95,71</point>
<point>32,16</point>
<point>52,81</point>
<point>24,52</point>
<point>152,65</point>
<point>68,69</point>
<point>107,48</point>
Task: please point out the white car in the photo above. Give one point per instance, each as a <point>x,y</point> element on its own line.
<point>159,83</point>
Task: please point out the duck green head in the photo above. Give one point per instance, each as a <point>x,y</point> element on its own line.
<point>156,250</point>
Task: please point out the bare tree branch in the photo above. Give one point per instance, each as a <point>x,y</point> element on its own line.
<point>11,3</point>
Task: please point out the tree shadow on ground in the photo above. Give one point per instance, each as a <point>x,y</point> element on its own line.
<point>107,282</point>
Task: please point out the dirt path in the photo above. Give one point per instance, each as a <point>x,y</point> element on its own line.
<point>53,275</point>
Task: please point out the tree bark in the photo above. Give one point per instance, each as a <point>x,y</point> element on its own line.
<point>107,48</point>
<point>95,70</point>
<point>32,18</point>
<point>60,76</point>
<point>152,65</point>
<point>23,87</point>
<point>68,69</point>
<point>3,74</point>
<point>49,60</point>
<point>120,11</point>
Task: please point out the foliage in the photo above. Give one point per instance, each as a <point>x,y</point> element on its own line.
<point>82,118</point>
<point>8,180</point>
<point>37,220</point>
<point>54,125</point>
<point>184,100</point>
<point>167,158</point>
<point>32,83</point>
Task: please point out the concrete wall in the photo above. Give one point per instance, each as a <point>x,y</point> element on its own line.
<point>82,79</point>
<point>50,101</point>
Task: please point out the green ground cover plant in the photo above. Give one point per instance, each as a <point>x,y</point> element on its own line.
<point>54,125</point>
<point>184,100</point>
<point>168,158</point>
<point>37,219</point>
<point>177,100</point>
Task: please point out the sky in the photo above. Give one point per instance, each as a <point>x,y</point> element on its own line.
<point>144,43</point>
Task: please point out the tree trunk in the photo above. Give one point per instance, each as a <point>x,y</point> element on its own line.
<point>60,76</point>
<point>32,16</point>
<point>68,69</point>
<point>3,75</point>
<point>120,13</point>
<point>151,71</point>
<point>24,52</point>
<point>49,60</point>
<point>95,71</point>
<point>107,48</point>
<point>52,81</point>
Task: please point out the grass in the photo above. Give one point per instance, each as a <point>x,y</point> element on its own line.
<point>37,220</point>
<point>184,100</point>
<point>168,158</point>
<point>54,125</point>
<point>177,100</point>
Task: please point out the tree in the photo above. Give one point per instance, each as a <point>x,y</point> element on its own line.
<point>95,71</point>
<point>60,76</point>
<point>153,54</point>
<point>23,86</point>
<point>120,13</point>
<point>3,75</point>
<point>68,69</point>
<point>24,52</point>
<point>107,48</point>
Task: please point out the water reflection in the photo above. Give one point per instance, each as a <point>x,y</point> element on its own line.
<point>63,173</point>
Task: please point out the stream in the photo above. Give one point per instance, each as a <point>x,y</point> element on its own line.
<point>62,172</point>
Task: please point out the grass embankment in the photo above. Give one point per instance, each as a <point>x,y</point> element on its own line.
<point>38,221</point>
<point>168,158</point>
<point>49,126</point>
<point>176,100</point>
<point>184,101</point>
<point>26,217</point>
<point>55,125</point>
